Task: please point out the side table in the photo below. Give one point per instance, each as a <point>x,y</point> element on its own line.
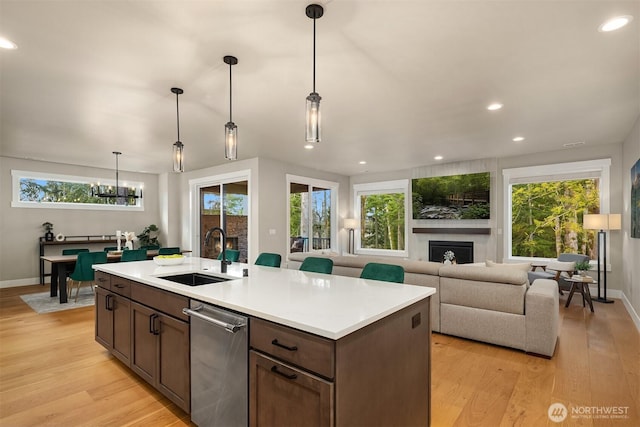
<point>581,285</point>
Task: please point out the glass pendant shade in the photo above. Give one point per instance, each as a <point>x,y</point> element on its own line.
<point>313,118</point>
<point>230,141</point>
<point>178,157</point>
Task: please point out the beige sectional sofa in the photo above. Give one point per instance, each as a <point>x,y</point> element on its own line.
<point>490,304</point>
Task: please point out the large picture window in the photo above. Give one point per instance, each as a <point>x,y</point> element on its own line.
<point>40,190</point>
<point>382,209</point>
<point>546,206</point>
<point>312,214</point>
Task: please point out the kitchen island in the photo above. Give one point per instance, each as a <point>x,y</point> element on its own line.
<point>324,349</point>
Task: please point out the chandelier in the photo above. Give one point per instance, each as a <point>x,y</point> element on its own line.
<point>120,195</point>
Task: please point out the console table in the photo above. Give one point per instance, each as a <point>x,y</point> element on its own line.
<point>72,240</point>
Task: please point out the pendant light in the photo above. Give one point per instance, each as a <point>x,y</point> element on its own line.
<point>121,195</point>
<point>230,129</point>
<point>178,147</point>
<point>314,11</point>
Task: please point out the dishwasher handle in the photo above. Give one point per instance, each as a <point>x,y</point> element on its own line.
<point>229,327</point>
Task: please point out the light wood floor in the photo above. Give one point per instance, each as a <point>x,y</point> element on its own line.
<point>53,373</point>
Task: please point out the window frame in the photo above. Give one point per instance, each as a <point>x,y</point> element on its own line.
<point>17,175</point>
<point>313,182</point>
<point>383,187</point>
<point>599,168</point>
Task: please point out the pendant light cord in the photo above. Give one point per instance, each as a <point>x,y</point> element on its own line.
<point>178,115</point>
<point>230,96</point>
<point>314,55</point>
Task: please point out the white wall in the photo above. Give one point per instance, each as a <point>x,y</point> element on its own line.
<point>630,275</point>
<point>20,228</point>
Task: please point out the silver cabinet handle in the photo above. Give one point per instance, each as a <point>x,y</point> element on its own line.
<point>227,326</point>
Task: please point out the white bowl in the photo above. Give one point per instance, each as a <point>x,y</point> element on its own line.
<point>168,261</point>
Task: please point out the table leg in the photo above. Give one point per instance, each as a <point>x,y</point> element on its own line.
<point>571,292</point>
<point>54,280</point>
<point>62,282</point>
<point>587,293</point>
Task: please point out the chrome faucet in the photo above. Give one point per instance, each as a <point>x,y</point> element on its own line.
<point>223,239</point>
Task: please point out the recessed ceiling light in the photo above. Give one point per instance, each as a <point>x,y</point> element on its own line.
<point>7,44</point>
<point>615,23</point>
<point>573,144</point>
<point>518,139</point>
<point>362,162</point>
<point>309,146</point>
<point>495,106</point>
<point>438,158</point>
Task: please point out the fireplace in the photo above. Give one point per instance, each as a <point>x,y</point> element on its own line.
<point>463,250</point>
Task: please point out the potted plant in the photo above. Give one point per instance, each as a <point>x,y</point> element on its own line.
<point>582,267</point>
<point>48,228</point>
<point>149,236</point>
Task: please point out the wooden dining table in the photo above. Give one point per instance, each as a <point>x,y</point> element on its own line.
<point>62,265</point>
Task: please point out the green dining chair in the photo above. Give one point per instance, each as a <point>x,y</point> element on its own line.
<point>83,273</point>
<point>384,272</point>
<point>269,260</point>
<point>232,255</point>
<point>169,251</point>
<point>134,255</point>
<point>110,248</point>
<point>73,251</point>
<point>317,265</point>
<point>150,247</point>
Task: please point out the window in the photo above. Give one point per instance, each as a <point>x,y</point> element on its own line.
<point>545,208</point>
<point>382,209</point>
<point>40,190</point>
<point>311,214</point>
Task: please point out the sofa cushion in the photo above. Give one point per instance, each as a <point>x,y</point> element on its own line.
<point>510,276</point>
<point>350,261</point>
<point>524,266</point>
<point>501,297</point>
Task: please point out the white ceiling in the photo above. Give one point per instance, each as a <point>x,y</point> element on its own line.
<point>401,81</point>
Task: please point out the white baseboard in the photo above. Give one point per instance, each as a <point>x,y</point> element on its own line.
<point>19,282</point>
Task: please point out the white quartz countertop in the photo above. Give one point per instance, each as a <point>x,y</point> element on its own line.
<point>326,305</point>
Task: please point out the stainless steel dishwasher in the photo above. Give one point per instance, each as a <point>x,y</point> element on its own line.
<point>219,366</point>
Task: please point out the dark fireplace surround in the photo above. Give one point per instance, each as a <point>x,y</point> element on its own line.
<point>463,251</point>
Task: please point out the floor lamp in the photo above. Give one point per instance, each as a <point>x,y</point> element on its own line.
<point>602,223</point>
<point>350,224</point>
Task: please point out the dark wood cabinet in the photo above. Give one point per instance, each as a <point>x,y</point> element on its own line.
<point>113,324</point>
<point>160,353</point>
<point>282,395</point>
<point>138,325</point>
<point>297,378</point>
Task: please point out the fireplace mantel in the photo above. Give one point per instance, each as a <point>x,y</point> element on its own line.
<point>457,230</point>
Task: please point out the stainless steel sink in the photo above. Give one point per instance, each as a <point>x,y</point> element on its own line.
<point>193,279</point>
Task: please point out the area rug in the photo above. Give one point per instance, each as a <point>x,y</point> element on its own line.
<point>43,303</point>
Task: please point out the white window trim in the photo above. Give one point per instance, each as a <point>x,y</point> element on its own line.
<point>17,175</point>
<point>334,187</point>
<point>384,187</point>
<point>194,204</point>
<point>591,168</point>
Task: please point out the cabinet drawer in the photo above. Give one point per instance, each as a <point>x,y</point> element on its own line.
<point>307,351</point>
<point>121,286</point>
<point>102,279</point>
<point>166,302</point>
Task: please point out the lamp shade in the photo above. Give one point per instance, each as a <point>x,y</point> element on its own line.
<point>350,223</point>
<point>602,222</point>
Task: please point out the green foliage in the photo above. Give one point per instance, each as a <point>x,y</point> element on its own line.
<point>383,221</point>
<point>48,191</point>
<point>547,217</point>
<point>295,213</point>
<point>583,266</point>
<point>480,210</point>
<point>464,192</point>
<point>149,236</point>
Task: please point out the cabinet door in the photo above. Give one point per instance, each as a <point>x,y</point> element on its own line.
<point>104,319</point>
<point>122,329</point>
<point>282,395</point>
<point>173,361</point>
<point>144,323</point>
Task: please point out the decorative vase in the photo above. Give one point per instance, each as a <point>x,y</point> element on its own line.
<point>447,262</point>
<point>48,236</point>
<point>129,245</point>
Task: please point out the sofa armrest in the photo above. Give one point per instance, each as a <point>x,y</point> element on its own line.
<point>542,317</point>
